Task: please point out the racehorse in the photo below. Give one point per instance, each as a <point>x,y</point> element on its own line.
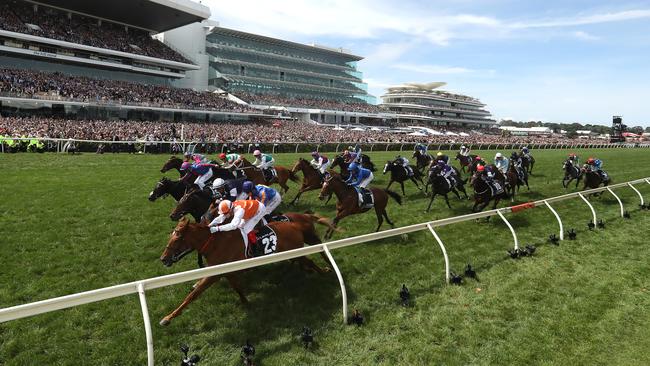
<point>340,162</point>
<point>440,186</point>
<point>195,202</point>
<point>165,187</point>
<point>483,193</point>
<point>466,161</point>
<point>228,246</point>
<point>311,177</point>
<point>594,180</point>
<point>422,160</point>
<point>348,201</point>
<point>570,173</point>
<point>173,163</point>
<point>515,181</point>
<point>257,175</point>
<point>398,174</point>
<point>527,163</point>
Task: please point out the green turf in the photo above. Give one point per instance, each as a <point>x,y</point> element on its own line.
<point>76,223</point>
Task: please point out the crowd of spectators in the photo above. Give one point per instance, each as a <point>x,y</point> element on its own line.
<point>267,131</point>
<point>36,84</point>
<point>351,105</point>
<point>23,17</point>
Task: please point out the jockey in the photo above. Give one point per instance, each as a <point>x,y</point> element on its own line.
<point>447,172</point>
<point>464,151</point>
<point>574,160</point>
<point>516,160</point>
<point>231,160</point>
<point>404,162</point>
<point>266,195</point>
<point>350,156</point>
<point>422,148</point>
<point>596,165</point>
<point>320,162</point>
<point>202,171</point>
<point>245,215</point>
<point>479,161</point>
<point>525,153</point>
<point>359,176</point>
<point>185,166</point>
<point>501,163</point>
<point>196,158</point>
<point>264,162</point>
<point>231,189</point>
<point>442,157</point>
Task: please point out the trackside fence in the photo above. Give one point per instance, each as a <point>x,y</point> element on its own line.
<point>140,287</point>
<point>210,146</point>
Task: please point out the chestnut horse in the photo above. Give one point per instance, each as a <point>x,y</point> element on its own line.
<point>228,246</point>
<point>311,177</point>
<point>466,161</point>
<point>348,201</point>
<point>257,176</point>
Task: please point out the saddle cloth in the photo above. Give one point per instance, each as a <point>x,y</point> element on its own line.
<point>266,243</point>
<point>495,187</point>
<point>366,198</point>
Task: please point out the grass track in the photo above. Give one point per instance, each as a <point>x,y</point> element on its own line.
<point>70,224</point>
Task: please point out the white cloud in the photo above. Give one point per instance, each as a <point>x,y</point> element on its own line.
<point>586,19</point>
<point>585,36</point>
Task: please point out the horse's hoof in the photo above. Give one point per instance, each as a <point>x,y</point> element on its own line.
<point>165,322</point>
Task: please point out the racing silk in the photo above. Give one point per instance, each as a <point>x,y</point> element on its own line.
<point>232,158</point>
<point>351,157</point>
<point>502,164</point>
<point>198,158</point>
<point>444,158</point>
<point>242,210</point>
<point>598,164</point>
<point>402,160</point>
<point>264,159</point>
<point>357,176</point>
<point>575,162</point>
<point>319,160</point>
<point>263,193</point>
<point>516,161</point>
<point>447,171</point>
<point>464,152</point>
<point>200,169</point>
<point>422,148</point>
<point>233,188</point>
<point>525,150</point>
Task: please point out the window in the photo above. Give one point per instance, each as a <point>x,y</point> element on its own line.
<point>242,70</point>
<point>281,75</point>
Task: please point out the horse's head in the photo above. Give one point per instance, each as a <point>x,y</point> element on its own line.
<point>160,190</point>
<point>187,204</point>
<point>416,154</point>
<point>178,245</point>
<point>171,163</point>
<point>326,190</point>
<point>299,165</point>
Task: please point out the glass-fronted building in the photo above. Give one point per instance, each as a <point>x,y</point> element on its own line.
<point>244,63</point>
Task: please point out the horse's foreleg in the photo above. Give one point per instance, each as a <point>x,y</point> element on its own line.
<point>200,260</point>
<point>433,195</point>
<point>233,280</point>
<point>328,198</point>
<point>456,192</point>
<point>402,184</point>
<point>390,182</point>
<point>447,200</point>
<point>416,183</point>
<point>198,290</point>
<point>385,214</point>
<point>295,199</point>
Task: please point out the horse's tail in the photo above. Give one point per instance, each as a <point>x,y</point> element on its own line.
<point>321,220</point>
<point>395,196</point>
<point>293,176</point>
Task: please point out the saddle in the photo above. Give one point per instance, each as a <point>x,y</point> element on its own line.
<point>279,218</point>
<point>366,198</point>
<point>269,174</point>
<point>495,187</point>
<point>604,176</point>
<point>265,242</point>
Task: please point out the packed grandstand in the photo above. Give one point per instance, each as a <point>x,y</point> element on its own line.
<point>84,71</point>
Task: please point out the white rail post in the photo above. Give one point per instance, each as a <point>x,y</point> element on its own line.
<point>147,323</point>
<point>344,294</point>
<point>593,212</point>
<point>444,251</point>
<point>514,235</point>
<point>559,220</point>
<point>637,192</point>
<point>619,201</point>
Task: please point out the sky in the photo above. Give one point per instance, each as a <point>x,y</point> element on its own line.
<point>554,61</point>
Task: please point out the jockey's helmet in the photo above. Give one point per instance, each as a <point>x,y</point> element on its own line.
<point>222,156</point>
<point>314,153</point>
<point>498,156</point>
<point>225,207</point>
<point>187,154</point>
<point>218,183</point>
<point>591,161</point>
<point>247,187</point>
<point>478,158</point>
<point>514,155</point>
<point>346,152</point>
<point>463,147</point>
<point>353,166</point>
<point>480,168</point>
<point>257,153</point>
<point>439,153</point>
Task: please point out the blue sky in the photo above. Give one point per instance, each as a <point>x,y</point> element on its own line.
<point>560,61</point>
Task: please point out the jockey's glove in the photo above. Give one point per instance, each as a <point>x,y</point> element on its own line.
<point>214,229</point>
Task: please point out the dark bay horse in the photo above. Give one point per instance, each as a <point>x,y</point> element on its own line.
<point>339,161</point>
<point>228,246</point>
<point>398,174</point>
<point>166,186</point>
<point>570,173</point>
<point>482,192</point>
<point>527,163</point>
<point>422,160</point>
<point>311,179</point>
<point>257,176</point>
<point>465,161</point>
<point>440,186</point>
<point>594,180</point>
<point>172,163</point>
<point>195,202</point>
<point>348,201</point>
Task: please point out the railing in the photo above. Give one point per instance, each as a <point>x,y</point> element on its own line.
<point>140,287</point>
<point>211,146</point>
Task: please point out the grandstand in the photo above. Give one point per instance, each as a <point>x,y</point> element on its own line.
<point>425,103</point>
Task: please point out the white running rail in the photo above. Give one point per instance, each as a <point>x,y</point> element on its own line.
<point>140,287</point>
